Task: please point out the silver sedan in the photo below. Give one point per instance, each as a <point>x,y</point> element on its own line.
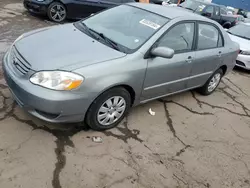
<point>94,70</point>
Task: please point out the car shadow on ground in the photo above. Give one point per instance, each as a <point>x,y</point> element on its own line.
<point>241,70</point>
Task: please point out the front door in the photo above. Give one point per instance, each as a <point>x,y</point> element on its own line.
<point>166,76</point>
<point>208,11</point>
<point>208,54</point>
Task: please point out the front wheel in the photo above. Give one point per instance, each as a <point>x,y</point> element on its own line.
<point>212,83</point>
<point>57,12</point>
<point>108,110</point>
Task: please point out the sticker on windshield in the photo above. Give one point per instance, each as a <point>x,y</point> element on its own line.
<point>201,7</point>
<point>137,40</point>
<point>150,24</point>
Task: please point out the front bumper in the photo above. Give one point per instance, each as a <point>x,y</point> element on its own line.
<point>49,105</point>
<point>37,7</point>
<point>243,61</point>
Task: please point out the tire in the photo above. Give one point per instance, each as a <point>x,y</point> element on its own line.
<point>94,115</point>
<point>57,12</point>
<point>204,90</point>
<point>227,26</point>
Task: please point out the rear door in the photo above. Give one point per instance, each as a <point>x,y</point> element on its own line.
<point>209,52</point>
<point>216,16</point>
<point>167,76</point>
<point>223,12</point>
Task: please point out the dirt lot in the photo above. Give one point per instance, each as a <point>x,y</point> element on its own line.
<point>192,141</point>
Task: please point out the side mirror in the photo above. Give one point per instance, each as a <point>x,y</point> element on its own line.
<point>164,52</point>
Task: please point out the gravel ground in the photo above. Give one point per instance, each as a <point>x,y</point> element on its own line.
<point>192,141</point>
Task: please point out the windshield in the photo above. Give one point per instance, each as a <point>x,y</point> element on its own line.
<point>241,30</point>
<point>173,1</point>
<point>128,27</point>
<point>196,6</point>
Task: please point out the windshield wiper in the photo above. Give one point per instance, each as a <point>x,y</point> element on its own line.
<point>86,28</point>
<point>188,8</point>
<point>107,40</point>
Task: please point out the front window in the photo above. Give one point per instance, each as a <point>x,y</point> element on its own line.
<point>240,30</point>
<point>179,38</point>
<point>127,26</point>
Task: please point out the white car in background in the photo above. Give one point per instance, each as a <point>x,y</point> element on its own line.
<point>241,34</point>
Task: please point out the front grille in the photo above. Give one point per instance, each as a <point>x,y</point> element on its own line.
<point>240,63</point>
<point>19,63</point>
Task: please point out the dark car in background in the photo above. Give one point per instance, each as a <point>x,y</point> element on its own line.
<point>169,2</point>
<point>59,10</point>
<point>212,11</point>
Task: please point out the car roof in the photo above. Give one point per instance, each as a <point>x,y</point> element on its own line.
<point>170,12</point>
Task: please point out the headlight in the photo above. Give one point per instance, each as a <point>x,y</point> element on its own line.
<point>245,52</point>
<point>57,80</point>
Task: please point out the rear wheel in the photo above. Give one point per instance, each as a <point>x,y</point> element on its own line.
<point>212,83</point>
<point>57,12</point>
<point>108,110</point>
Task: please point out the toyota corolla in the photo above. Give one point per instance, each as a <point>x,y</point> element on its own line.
<point>94,70</point>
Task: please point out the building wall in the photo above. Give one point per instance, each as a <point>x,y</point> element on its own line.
<point>243,4</point>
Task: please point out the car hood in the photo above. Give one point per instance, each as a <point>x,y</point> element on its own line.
<point>244,43</point>
<point>62,47</point>
<point>183,8</point>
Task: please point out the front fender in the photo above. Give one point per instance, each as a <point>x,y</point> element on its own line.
<point>102,76</point>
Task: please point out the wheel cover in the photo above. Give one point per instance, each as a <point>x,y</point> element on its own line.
<point>111,110</point>
<point>214,82</point>
<point>58,13</point>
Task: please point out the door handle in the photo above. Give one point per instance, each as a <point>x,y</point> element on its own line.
<point>189,59</point>
<point>219,54</point>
